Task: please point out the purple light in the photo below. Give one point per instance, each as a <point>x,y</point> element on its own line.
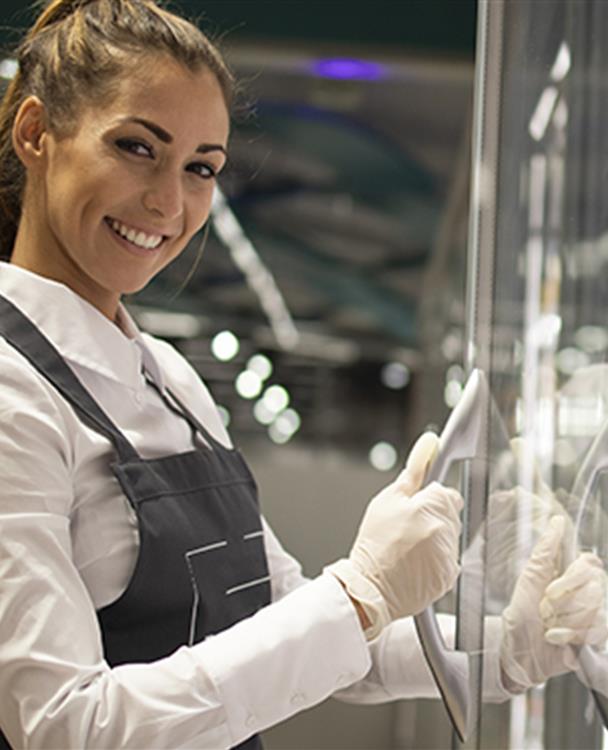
<point>348,69</point>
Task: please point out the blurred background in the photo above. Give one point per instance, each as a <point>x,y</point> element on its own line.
<point>327,312</point>
<point>347,160</point>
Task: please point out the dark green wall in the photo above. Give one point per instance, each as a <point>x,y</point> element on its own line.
<point>433,25</point>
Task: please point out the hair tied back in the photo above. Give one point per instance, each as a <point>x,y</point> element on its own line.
<point>75,54</point>
<point>55,11</point>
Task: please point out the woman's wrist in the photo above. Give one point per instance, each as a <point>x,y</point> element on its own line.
<point>368,619</point>
<point>369,604</point>
<point>363,618</point>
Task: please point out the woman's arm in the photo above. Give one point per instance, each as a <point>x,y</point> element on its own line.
<point>58,691</point>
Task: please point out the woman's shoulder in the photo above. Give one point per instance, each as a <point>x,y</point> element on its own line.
<point>20,379</point>
<point>31,407</point>
<point>26,392</point>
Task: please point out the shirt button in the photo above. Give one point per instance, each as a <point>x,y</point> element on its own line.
<point>297,699</point>
<point>139,399</point>
<point>250,721</point>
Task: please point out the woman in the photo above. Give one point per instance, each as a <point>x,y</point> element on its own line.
<point>135,569</point>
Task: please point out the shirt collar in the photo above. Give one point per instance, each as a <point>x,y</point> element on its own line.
<point>149,363</point>
<point>78,330</point>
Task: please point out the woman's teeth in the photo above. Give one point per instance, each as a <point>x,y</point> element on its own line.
<point>141,239</point>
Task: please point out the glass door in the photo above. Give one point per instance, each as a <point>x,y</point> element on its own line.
<point>537,304</point>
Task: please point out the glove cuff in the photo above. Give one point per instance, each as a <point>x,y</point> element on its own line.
<point>365,593</point>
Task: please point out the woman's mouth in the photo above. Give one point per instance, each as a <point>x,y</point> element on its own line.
<point>135,236</point>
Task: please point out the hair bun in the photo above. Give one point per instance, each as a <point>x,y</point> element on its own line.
<point>56,11</point>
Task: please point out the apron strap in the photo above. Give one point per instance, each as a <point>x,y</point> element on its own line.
<point>29,341</point>
<point>178,407</point>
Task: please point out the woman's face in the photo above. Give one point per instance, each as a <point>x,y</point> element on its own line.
<point>120,198</point>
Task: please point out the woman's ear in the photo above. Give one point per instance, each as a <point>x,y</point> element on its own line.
<point>29,131</point>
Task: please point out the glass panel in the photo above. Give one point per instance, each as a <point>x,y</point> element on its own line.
<point>537,306</point>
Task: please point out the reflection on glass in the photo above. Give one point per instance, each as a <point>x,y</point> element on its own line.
<point>537,299</point>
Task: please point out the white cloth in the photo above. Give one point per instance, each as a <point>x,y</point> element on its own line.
<point>68,544</point>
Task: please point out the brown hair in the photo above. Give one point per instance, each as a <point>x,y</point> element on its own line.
<point>74,54</point>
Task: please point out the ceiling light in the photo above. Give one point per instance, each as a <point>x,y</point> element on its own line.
<point>345,68</point>
<point>261,365</point>
<point>383,456</point>
<point>395,375</point>
<point>225,346</point>
<point>288,422</point>
<point>276,398</point>
<point>262,413</point>
<point>455,372</point>
<point>247,259</point>
<point>277,436</point>
<point>452,393</point>
<point>542,114</point>
<point>248,384</point>
<point>562,63</point>
<point>8,69</point>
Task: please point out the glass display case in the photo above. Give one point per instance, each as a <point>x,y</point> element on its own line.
<point>536,303</point>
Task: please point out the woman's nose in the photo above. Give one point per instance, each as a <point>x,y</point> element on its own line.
<point>164,196</point>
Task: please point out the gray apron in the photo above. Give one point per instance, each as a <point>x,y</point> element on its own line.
<point>202,565</point>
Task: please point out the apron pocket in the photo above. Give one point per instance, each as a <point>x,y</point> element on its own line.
<point>230,581</point>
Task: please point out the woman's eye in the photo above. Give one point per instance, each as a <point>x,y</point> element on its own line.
<point>206,171</point>
<point>134,147</point>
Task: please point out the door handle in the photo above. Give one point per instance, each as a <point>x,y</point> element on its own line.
<point>460,439</point>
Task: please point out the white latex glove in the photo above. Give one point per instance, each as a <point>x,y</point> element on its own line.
<point>504,550</point>
<point>405,555</point>
<point>516,517</point>
<point>573,607</point>
<point>527,657</point>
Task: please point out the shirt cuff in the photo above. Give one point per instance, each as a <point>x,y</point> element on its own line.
<point>287,657</point>
<point>400,671</point>
<point>365,593</point>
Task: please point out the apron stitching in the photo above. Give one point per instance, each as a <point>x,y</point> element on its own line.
<point>194,611</point>
<point>206,548</point>
<point>253,534</point>
<point>177,493</point>
<point>247,585</point>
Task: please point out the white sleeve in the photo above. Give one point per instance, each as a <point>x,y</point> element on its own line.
<point>285,571</point>
<point>399,669</point>
<point>57,690</point>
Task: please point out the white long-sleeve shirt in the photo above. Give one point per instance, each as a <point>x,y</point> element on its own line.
<point>68,545</point>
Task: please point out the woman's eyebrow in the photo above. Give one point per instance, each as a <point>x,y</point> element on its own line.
<point>166,137</point>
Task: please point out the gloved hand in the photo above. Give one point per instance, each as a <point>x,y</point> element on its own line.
<point>501,550</point>
<point>505,550</point>
<point>527,656</point>
<point>573,607</point>
<point>405,555</point>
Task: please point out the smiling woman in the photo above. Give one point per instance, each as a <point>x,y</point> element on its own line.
<point>126,185</point>
<point>108,205</point>
<point>75,55</point>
